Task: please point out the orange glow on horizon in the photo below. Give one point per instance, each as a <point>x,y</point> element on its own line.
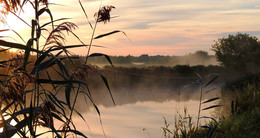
<point>162,27</point>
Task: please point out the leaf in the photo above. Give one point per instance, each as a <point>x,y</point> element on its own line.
<point>23,123</point>
<point>67,93</point>
<point>85,14</point>
<point>55,102</point>
<point>57,117</point>
<point>205,126</point>
<point>7,107</point>
<point>63,69</point>
<point>80,115</point>
<point>106,83</point>
<point>55,131</point>
<point>100,54</point>
<point>44,65</point>
<point>43,56</point>
<point>20,18</point>
<point>49,77</point>
<point>56,99</point>
<point>31,112</point>
<point>41,11</point>
<point>14,32</point>
<point>72,131</point>
<point>71,57</point>
<point>27,53</point>
<point>3,50</point>
<point>71,46</point>
<point>212,132</point>
<point>4,30</point>
<point>110,33</point>
<point>211,81</point>
<point>58,81</point>
<point>12,45</point>
<point>24,111</point>
<point>92,102</point>
<point>210,100</point>
<point>54,21</point>
<point>209,118</point>
<point>210,90</point>
<point>166,129</point>
<point>16,45</point>
<point>214,106</point>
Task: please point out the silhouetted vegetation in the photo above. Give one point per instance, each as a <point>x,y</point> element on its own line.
<point>240,52</point>
<point>33,79</point>
<point>197,58</point>
<point>31,85</point>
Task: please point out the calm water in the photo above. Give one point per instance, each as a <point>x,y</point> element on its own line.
<point>139,112</point>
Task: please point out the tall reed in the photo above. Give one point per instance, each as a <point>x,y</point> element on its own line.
<point>184,126</point>
<point>29,94</point>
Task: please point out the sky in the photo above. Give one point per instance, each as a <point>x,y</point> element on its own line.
<point>154,27</point>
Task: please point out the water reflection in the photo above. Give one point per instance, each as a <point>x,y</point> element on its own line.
<point>125,96</point>
<point>139,120</point>
<point>139,109</point>
<point>139,112</point>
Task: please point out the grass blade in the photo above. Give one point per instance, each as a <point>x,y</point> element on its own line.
<point>214,106</point>
<point>67,93</point>
<point>91,102</point>
<point>85,14</point>
<point>45,64</point>
<point>16,45</point>
<point>106,83</point>
<point>210,90</point>
<point>110,33</point>
<point>100,54</point>
<point>210,100</point>
<point>72,131</point>
<point>211,81</point>
<point>15,33</point>
<point>209,118</point>
<point>41,11</point>
<point>54,21</point>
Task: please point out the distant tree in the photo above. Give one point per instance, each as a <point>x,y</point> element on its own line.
<point>239,51</point>
<point>143,58</point>
<point>201,53</point>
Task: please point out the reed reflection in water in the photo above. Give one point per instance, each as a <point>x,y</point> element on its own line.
<point>139,112</point>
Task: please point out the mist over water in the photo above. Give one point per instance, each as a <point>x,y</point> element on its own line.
<point>139,109</point>
<point>192,59</point>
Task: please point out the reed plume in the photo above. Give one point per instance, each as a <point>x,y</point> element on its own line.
<point>103,15</point>
<point>44,117</point>
<point>7,6</point>
<point>57,36</point>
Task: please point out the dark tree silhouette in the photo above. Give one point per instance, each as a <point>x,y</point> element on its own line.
<point>240,52</point>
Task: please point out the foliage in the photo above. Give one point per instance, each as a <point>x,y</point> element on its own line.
<point>240,126</point>
<point>184,128</point>
<point>239,52</point>
<point>30,94</point>
<point>243,114</point>
<point>242,83</point>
